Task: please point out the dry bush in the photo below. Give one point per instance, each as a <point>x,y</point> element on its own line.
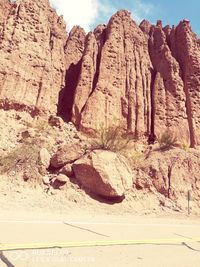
<point>23,161</point>
<point>184,145</point>
<point>167,140</point>
<point>115,139</point>
<point>134,157</point>
<point>112,138</point>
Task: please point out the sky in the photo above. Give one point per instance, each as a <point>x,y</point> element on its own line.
<point>90,13</point>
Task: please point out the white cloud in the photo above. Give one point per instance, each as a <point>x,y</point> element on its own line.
<point>77,12</point>
<point>86,13</point>
<point>141,10</point>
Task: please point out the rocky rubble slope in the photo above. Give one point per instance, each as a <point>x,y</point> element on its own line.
<point>52,157</point>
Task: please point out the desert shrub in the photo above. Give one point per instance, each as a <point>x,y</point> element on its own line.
<point>134,157</point>
<point>43,134</point>
<point>184,145</point>
<point>111,138</point>
<point>115,139</point>
<point>167,140</point>
<point>23,162</point>
<point>25,154</point>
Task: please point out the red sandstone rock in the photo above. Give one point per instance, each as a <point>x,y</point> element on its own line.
<point>120,92</point>
<point>73,51</point>
<point>167,89</point>
<point>67,154</point>
<point>186,49</point>
<point>4,7</point>
<point>32,68</point>
<point>145,79</point>
<point>173,173</point>
<point>104,173</point>
<point>85,84</point>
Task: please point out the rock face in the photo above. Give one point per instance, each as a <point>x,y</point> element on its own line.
<point>32,68</point>
<point>104,173</point>
<point>115,78</point>
<point>173,173</point>
<point>73,50</point>
<point>169,99</point>
<point>144,78</point>
<point>5,7</point>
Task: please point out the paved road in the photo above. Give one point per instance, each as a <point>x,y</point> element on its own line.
<point>128,241</point>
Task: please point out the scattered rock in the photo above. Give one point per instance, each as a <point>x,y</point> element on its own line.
<point>62,178</point>
<point>55,121</point>
<point>28,133</point>
<point>143,181</point>
<point>67,170</point>
<point>44,157</point>
<point>104,173</point>
<point>32,176</point>
<point>46,180</point>
<point>67,154</point>
<point>59,181</point>
<point>53,191</point>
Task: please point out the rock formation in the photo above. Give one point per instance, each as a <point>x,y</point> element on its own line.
<point>119,75</point>
<point>32,69</point>
<point>74,51</point>
<point>104,173</point>
<point>173,173</point>
<point>144,78</point>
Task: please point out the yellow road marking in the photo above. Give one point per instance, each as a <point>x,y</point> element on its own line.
<point>71,244</point>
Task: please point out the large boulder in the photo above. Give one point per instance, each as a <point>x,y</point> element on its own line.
<point>104,173</point>
<point>67,154</point>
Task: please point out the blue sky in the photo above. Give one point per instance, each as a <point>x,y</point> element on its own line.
<point>89,13</point>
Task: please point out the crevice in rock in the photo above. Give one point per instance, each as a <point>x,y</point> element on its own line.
<point>97,68</point>
<point>129,96</point>
<point>169,181</point>
<point>39,94</point>
<point>176,52</point>
<point>66,95</point>
<point>187,105</point>
<point>51,41</point>
<point>148,106</point>
<point>98,60</point>
<point>152,136</point>
<point>189,116</point>
<point>136,110</point>
<point>96,75</point>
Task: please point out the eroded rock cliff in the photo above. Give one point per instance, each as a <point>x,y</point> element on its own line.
<point>144,78</point>
<point>32,69</point>
<point>118,70</point>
